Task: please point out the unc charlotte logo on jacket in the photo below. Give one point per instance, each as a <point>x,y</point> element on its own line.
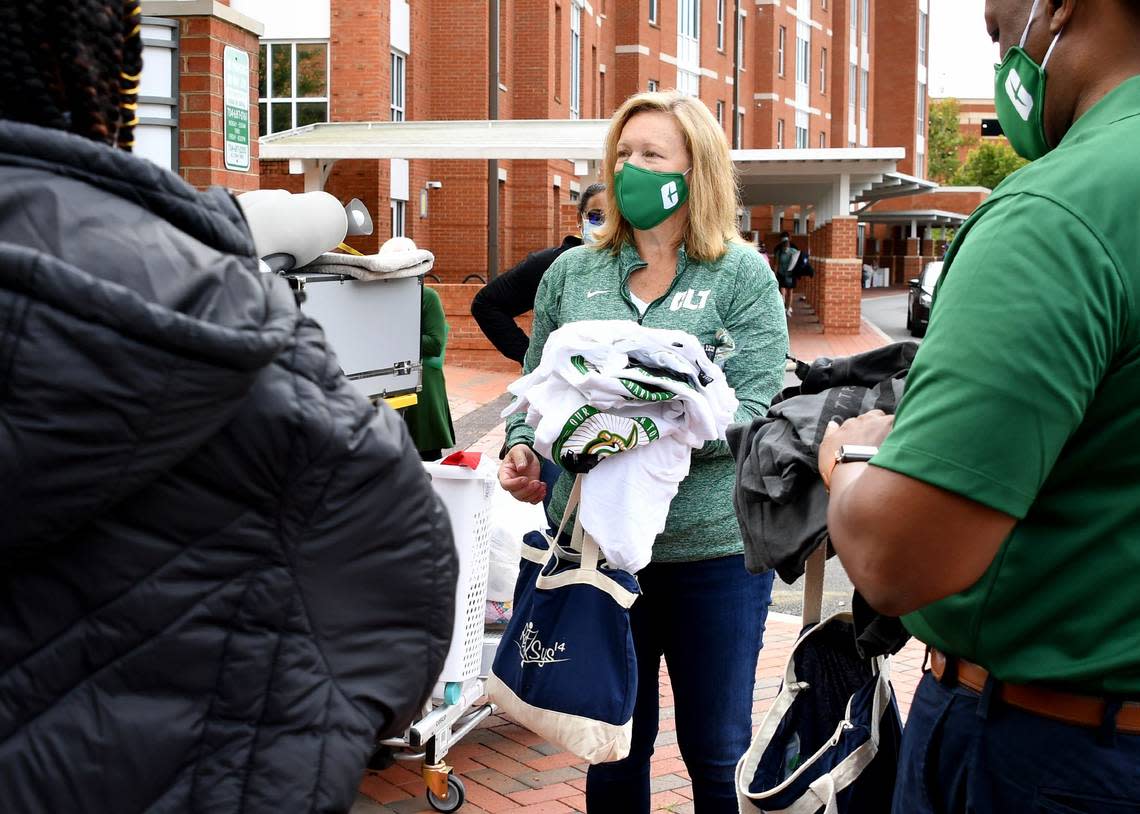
<point>690,300</point>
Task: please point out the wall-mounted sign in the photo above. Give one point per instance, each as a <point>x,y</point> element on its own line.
<point>236,77</point>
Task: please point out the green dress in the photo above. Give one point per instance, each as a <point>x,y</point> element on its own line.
<point>429,421</point>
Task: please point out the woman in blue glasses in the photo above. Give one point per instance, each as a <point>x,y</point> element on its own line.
<point>511,295</point>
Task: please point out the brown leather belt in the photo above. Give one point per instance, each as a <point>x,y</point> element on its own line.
<point>1081,710</point>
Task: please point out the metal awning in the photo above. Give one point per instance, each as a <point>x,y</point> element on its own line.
<point>570,139</point>
<point>919,217</point>
<point>895,185</point>
<point>826,181</point>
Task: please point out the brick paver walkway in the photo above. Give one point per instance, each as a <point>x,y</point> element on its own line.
<point>507,768</point>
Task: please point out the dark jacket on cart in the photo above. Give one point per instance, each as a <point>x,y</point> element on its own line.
<point>511,295</point>
<point>222,573</point>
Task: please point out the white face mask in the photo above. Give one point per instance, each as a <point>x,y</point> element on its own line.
<point>588,230</point>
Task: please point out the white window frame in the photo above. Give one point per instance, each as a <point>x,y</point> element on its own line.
<point>740,124</point>
<point>653,85</point>
<point>803,132</point>
<point>399,211</point>
<point>270,99</point>
<point>720,25</point>
<point>803,61</point>
<point>779,134</point>
<point>823,70</point>
<point>923,25</point>
<point>740,38</point>
<point>575,61</point>
<point>653,11</point>
<point>865,13</point>
<point>823,141</point>
<point>720,112</point>
<point>399,86</point>
<point>781,50</point>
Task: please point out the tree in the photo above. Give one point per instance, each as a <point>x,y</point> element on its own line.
<point>944,140</point>
<point>988,165</point>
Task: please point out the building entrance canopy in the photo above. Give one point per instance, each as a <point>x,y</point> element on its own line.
<point>827,181</point>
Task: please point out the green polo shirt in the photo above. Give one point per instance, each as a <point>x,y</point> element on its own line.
<point>1025,397</point>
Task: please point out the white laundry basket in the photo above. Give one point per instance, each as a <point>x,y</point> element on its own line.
<point>467,495</point>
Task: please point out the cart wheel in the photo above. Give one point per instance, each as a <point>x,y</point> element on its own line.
<point>456,796</point>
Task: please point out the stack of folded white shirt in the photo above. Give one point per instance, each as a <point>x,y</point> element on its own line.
<point>609,387</point>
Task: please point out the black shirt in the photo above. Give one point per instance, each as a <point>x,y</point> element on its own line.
<point>512,294</point>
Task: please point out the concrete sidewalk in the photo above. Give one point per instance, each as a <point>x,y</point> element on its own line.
<point>507,768</point>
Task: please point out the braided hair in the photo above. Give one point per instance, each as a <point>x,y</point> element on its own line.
<point>73,65</point>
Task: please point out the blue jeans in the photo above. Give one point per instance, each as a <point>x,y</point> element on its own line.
<point>707,619</point>
<point>964,753</point>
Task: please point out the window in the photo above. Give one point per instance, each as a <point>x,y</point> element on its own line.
<point>823,4</point>
<point>853,13</point>
<point>779,134</point>
<point>558,53</point>
<point>575,61</point>
<point>653,11</point>
<point>294,88</point>
<point>921,109</point>
<point>802,134</point>
<point>740,38</point>
<point>689,18</point>
<point>922,24</point>
<point>803,60</point>
<point>823,141</point>
<point>398,86</point>
<point>866,15</point>
<point>851,98</point>
<point>720,25</point>
<point>781,44</point>
<point>398,210</point>
<point>652,85</point>
<point>720,113</point>
<point>920,165</point>
<point>863,92</point>
<point>739,129</point>
<point>823,70</point>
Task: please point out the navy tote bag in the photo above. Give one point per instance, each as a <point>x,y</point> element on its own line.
<point>565,668</point>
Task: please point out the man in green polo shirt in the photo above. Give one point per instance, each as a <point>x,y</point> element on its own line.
<point>1001,515</point>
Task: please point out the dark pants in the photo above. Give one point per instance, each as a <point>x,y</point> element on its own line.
<point>707,619</point>
<point>549,475</point>
<point>964,753</point>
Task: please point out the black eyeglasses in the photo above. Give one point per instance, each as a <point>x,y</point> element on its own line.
<point>595,217</point>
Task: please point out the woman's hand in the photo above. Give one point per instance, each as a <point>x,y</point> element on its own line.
<point>519,474</point>
<point>869,429</point>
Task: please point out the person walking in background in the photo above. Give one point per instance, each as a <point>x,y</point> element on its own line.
<point>223,573</point>
<point>429,419</point>
<point>786,257</point>
<point>1012,467</point>
<point>511,294</point>
<point>670,256</point>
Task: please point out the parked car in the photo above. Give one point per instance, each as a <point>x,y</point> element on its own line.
<point>921,295</point>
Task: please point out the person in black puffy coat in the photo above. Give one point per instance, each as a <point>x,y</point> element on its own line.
<point>223,574</point>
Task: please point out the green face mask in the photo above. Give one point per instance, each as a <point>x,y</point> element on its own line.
<point>1019,95</point>
<point>646,198</point>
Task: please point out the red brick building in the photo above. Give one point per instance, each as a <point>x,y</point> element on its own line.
<point>812,74</point>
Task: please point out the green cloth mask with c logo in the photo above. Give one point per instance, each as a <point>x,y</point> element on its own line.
<point>646,198</point>
<point>1019,95</point>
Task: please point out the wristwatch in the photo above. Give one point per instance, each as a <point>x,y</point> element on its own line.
<point>849,454</point>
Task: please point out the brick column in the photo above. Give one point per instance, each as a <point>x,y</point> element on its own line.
<point>205,28</point>
<point>912,262</point>
<point>840,273</point>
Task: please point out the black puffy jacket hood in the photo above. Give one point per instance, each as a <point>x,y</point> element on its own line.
<point>223,574</point>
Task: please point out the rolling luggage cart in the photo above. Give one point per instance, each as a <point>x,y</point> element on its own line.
<point>452,712</point>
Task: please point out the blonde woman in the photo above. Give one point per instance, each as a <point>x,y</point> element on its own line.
<point>670,256</point>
